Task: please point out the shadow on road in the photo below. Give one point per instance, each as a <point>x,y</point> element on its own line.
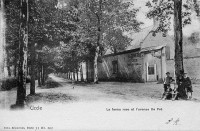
<point>47,97</point>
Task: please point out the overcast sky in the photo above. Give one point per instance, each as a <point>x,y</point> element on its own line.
<point>142,13</point>
<point>195,26</point>
<point>187,30</point>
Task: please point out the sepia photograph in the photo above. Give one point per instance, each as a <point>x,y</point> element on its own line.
<point>99,65</point>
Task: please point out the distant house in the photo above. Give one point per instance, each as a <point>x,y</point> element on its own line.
<point>146,59</point>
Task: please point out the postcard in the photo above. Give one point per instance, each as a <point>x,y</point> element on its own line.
<point>99,65</point>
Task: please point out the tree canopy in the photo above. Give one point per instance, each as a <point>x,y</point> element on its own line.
<point>67,32</point>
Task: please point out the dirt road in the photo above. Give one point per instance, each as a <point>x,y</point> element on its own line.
<point>104,92</point>
<point>105,106</point>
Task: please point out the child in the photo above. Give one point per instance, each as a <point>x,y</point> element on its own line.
<point>167,81</point>
<point>188,85</point>
<point>175,93</point>
<point>167,94</point>
<point>167,90</point>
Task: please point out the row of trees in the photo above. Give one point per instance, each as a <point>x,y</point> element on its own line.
<point>46,36</point>
<point>34,30</point>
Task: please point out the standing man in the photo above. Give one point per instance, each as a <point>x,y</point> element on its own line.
<point>167,90</point>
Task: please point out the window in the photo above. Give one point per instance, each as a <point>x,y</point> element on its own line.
<point>115,66</point>
<point>151,70</point>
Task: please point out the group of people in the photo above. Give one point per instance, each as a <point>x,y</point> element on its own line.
<point>181,89</point>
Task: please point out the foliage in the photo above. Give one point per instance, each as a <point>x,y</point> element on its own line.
<point>12,31</point>
<point>115,40</point>
<point>197,7</point>
<point>163,11</point>
<point>114,17</point>
<point>48,25</point>
<point>66,32</point>
<point>9,83</point>
<point>92,27</point>
<point>194,38</point>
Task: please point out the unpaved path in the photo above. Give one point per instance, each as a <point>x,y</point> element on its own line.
<point>104,92</point>
<point>90,107</point>
<point>116,91</point>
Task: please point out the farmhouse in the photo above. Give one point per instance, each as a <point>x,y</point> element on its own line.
<point>147,59</point>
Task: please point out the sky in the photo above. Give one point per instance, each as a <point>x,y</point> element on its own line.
<point>142,12</point>
<point>140,4</point>
<point>187,30</point>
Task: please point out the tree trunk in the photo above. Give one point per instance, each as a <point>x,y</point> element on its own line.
<point>8,63</point>
<point>81,71</point>
<point>43,75</point>
<point>23,48</point>
<point>38,72</point>
<point>95,65</point>
<point>77,74</point>
<point>28,70</point>
<point>32,55</point>
<point>39,78</point>
<point>15,70</point>
<point>9,71</point>
<point>178,36</point>
<point>87,72</point>
<point>96,56</point>
<point>98,42</point>
<point>2,39</point>
<point>74,78</point>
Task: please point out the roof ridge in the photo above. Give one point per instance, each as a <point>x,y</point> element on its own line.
<point>144,39</point>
